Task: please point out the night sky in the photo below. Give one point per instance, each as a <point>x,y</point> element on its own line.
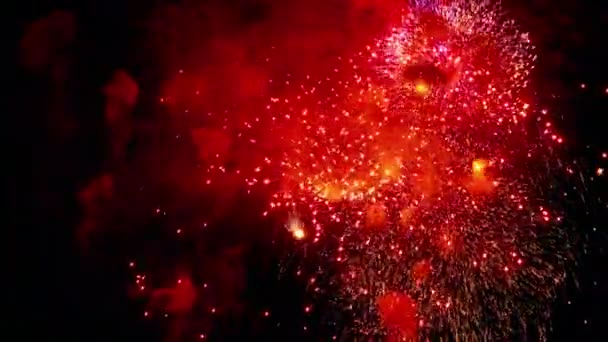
<point>101,173</point>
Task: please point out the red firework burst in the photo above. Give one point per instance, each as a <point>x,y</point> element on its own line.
<point>424,138</point>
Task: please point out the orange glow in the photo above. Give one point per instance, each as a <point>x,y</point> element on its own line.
<point>405,216</point>
<point>331,192</point>
<point>376,215</point>
<point>480,183</point>
<point>391,170</point>
<point>421,87</point>
<point>298,234</point>
<point>479,168</point>
<point>296,227</point>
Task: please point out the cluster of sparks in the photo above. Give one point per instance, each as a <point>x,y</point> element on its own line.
<point>415,172</point>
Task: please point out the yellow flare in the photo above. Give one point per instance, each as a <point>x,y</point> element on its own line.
<point>390,168</point>
<point>422,88</point>
<point>298,234</point>
<point>479,167</point>
<point>296,228</point>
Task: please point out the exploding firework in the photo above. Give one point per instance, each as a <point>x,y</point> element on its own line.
<point>416,159</point>
<point>415,174</point>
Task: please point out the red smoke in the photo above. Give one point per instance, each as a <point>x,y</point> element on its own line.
<point>398,313</point>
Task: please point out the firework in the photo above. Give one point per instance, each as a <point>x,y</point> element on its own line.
<point>419,149</point>
<point>414,173</point>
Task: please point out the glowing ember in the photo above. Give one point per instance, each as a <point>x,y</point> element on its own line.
<point>298,234</point>
<point>479,167</point>
<point>296,228</point>
<point>422,88</point>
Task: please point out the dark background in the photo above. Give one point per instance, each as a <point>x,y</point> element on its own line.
<point>56,294</point>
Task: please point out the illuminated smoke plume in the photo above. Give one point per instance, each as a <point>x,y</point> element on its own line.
<point>46,51</point>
